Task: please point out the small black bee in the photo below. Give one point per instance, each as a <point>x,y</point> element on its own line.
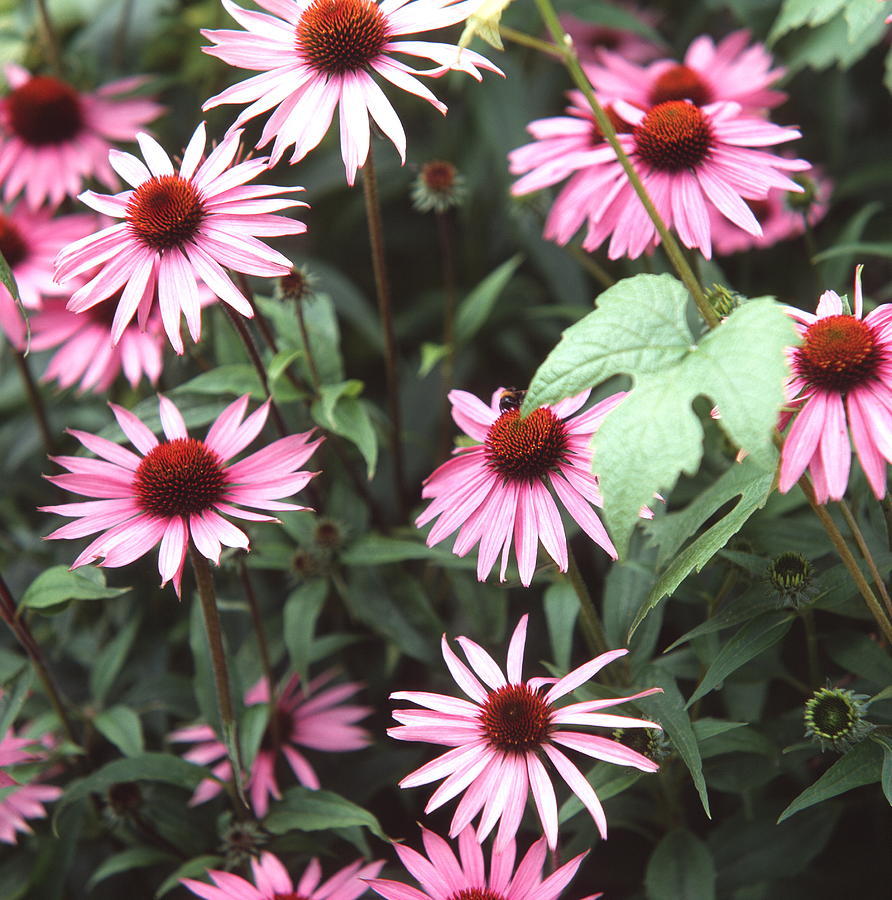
<point>511,398</point>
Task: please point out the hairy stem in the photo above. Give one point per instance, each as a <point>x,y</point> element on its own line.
<point>811,645</point>
<point>382,289</point>
<point>447,259</point>
<point>592,627</point>
<point>204,580</point>
<point>571,62</point>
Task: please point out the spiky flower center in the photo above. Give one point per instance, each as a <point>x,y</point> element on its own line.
<point>478,893</point>
<point>836,715</point>
<point>12,244</point>
<point>526,449</point>
<point>515,718</point>
<point>340,36</point>
<point>279,728</point>
<point>45,111</point>
<point>838,353</point>
<point>179,478</point>
<point>673,136</point>
<point>165,211</point>
<point>790,573</point>
<point>680,83</point>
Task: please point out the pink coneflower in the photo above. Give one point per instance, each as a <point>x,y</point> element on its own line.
<point>689,158</point>
<point>86,353</point>
<point>496,492</point>
<point>573,147</point>
<point>274,883</point>
<point>24,801</point>
<point>710,73</point>
<point>305,717</point>
<point>175,492</point>
<point>443,877</point>
<point>316,55</point>
<point>178,229</point>
<point>592,39</point>
<point>29,241</point>
<point>500,737</point>
<point>841,382</point>
<point>781,215</point>
<point>53,137</point>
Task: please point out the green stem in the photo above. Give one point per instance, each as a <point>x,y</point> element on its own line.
<point>204,581</point>
<point>864,550</point>
<point>385,311</point>
<point>50,38</point>
<point>670,245</point>
<point>262,646</point>
<point>19,627</point>
<point>592,627</point>
<point>308,349</point>
<point>447,258</point>
<point>886,504</point>
<point>527,40</point>
<point>849,561</point>
<point>594,268</point>
<point>253,354</point>
<point>811,644</point>
<point>35,400</point>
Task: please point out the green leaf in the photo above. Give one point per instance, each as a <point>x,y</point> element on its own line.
<point>754,638</point>
<point>304,810</point>
<point>797,13</point>
<point>377,550</point>
<point>110,659</point>
<point>655,424</point>
<point>121,725</point>
<point>13,696</point>
<point>58,585</point>
<point>612,339</point>
<point>7,279</point>
<point>476,308</point>
<point>754,602</point>
<point>236,379</point>
<point>194,868</point>
<point>162,767</point>
<point>668,709</point>
<point>681,867</point>
<point>302,609</point>
<point>861,765</point>
<point>126,860</point>
<point>324,337</point>
<point>431,354</point>
<point>252,727</point>
<point>886,776</point>
<point>746,481</point>
<point>340,410</point>
<point>561,611</point>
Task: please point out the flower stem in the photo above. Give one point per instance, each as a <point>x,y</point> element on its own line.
<point>849,561</point>
<point>36,402</point>
<point>527,40</point>
<point>811,644</point>
<point>382,288</point>
<point>594,268</point>
<point>571,62</point>
<point>253,354</point>
<point>262,646</point>
<point>204,580</point>
<point>864,550</point>
<point>592,627</point>
<point>308,349</point>
<point>50,38</point>
<point>19,627</point>
<point>447,258</point>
